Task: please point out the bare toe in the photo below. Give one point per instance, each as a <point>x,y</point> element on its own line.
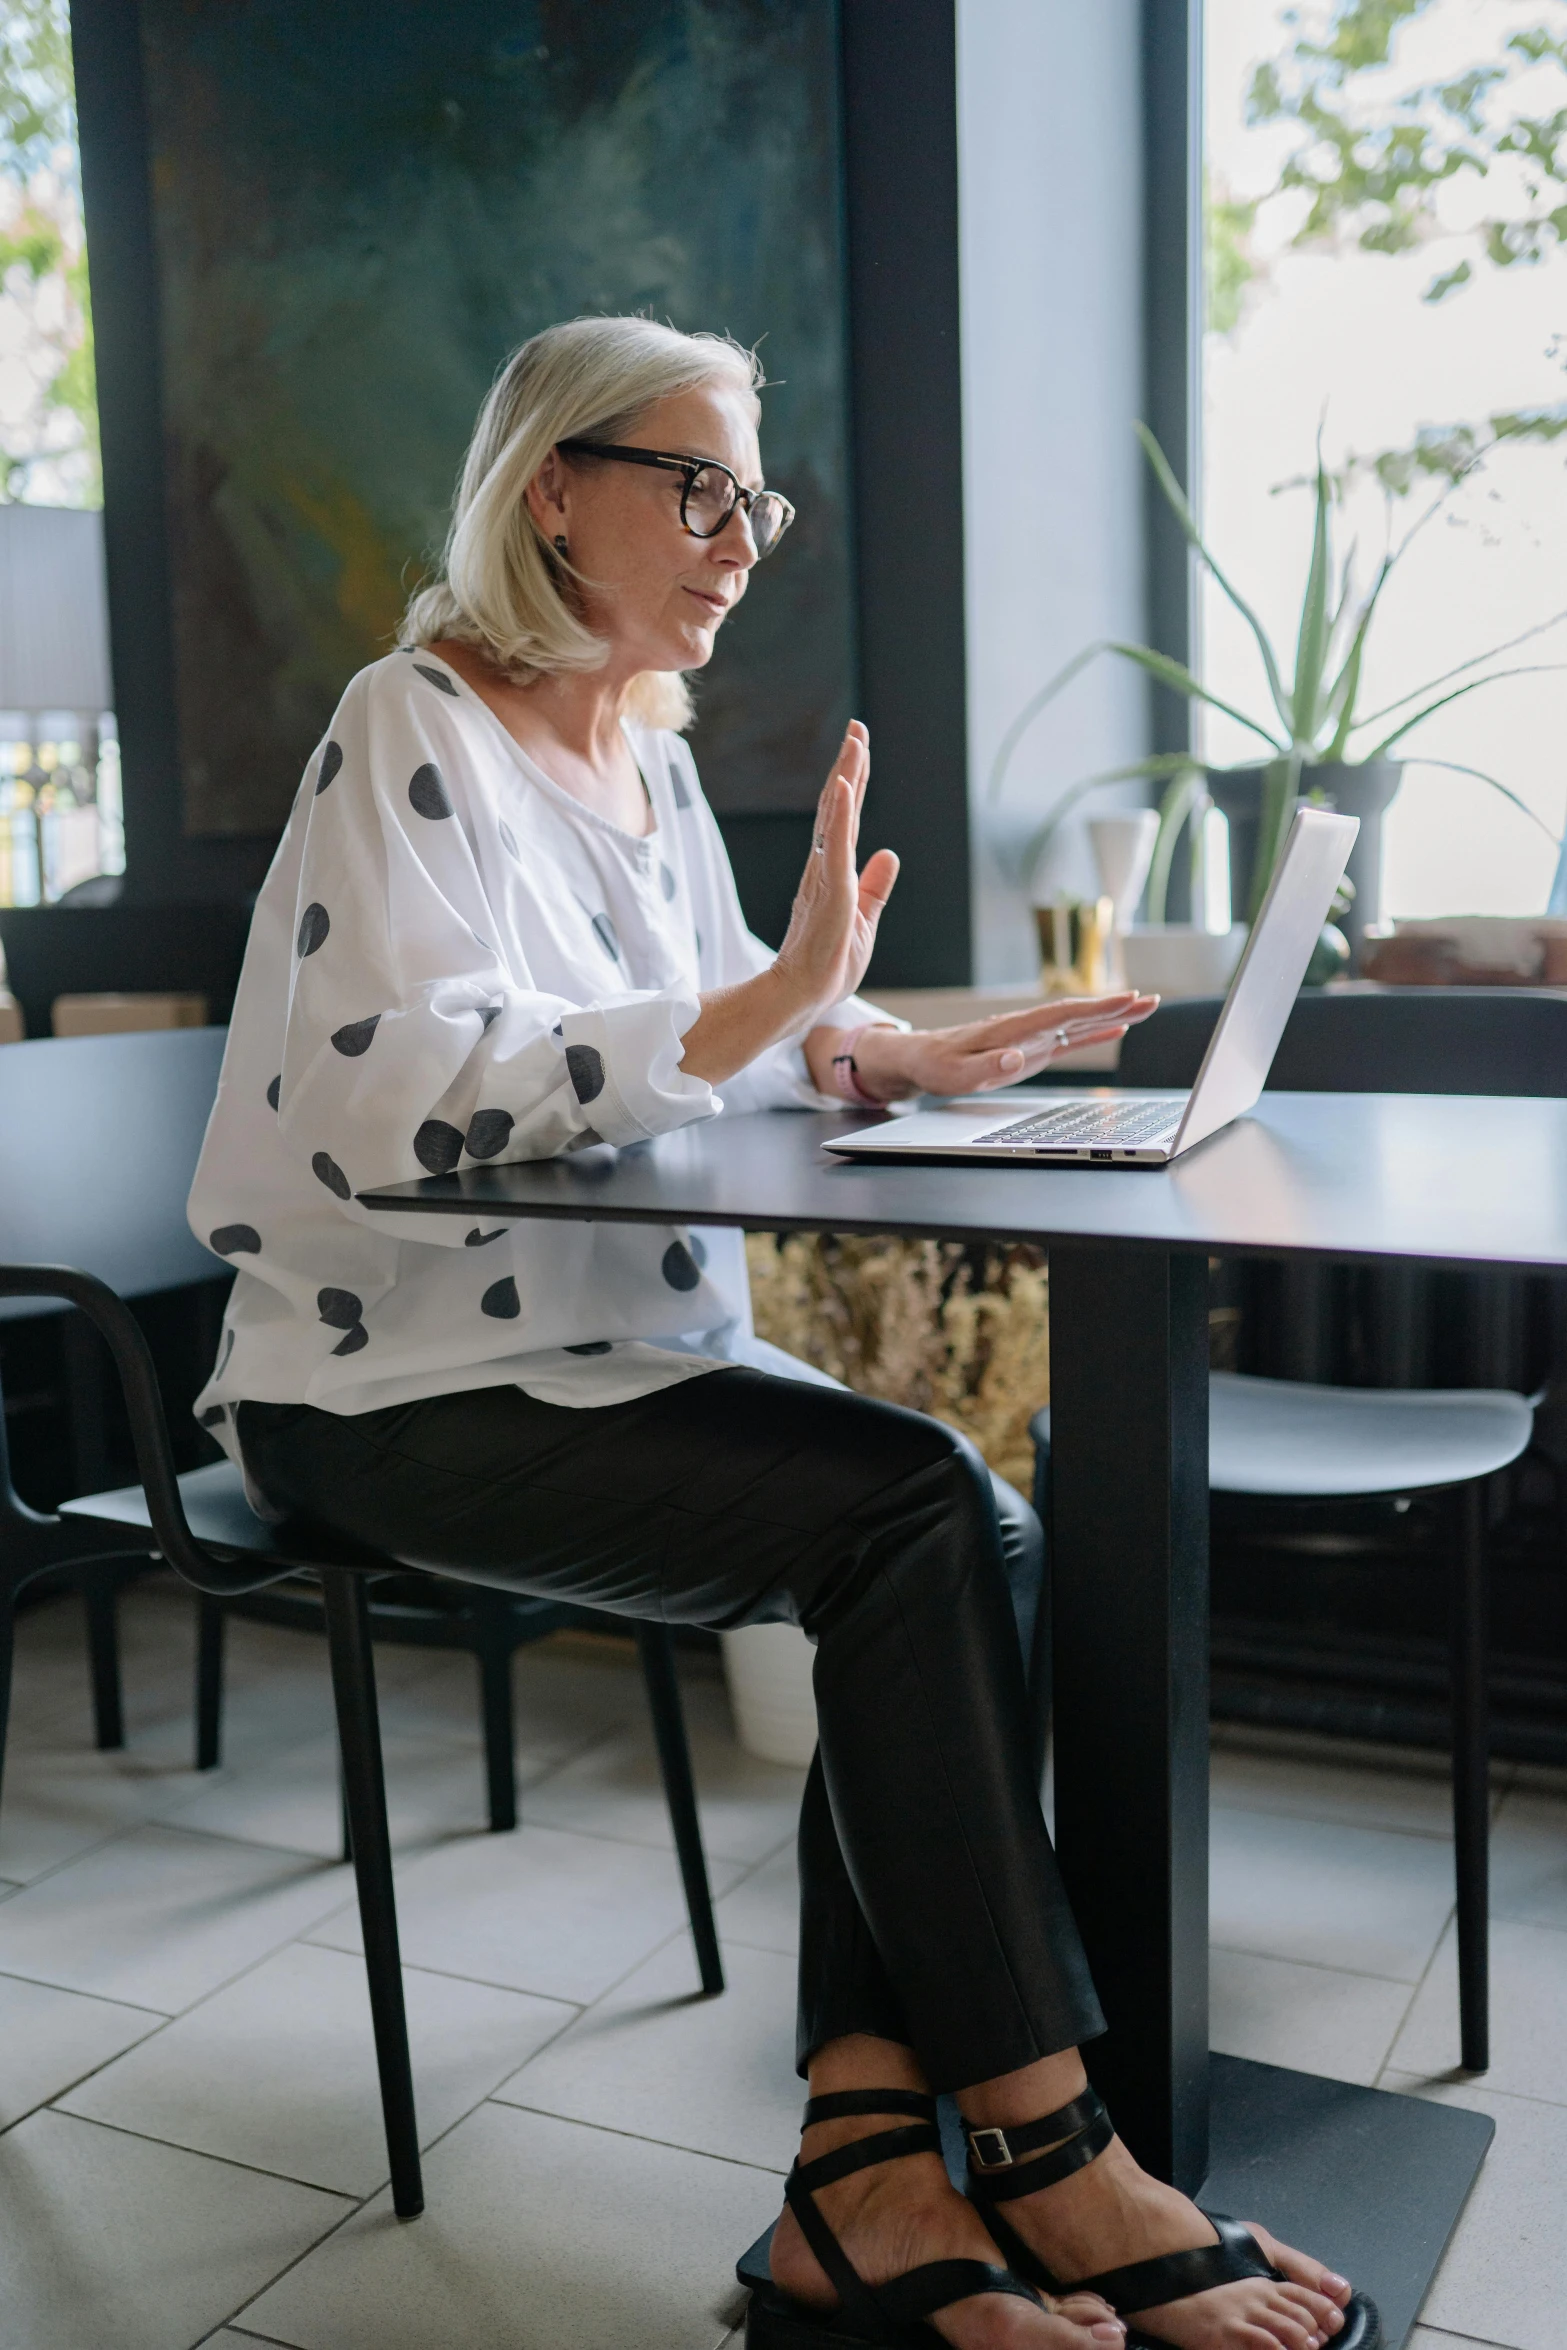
<point>1301,2269</point>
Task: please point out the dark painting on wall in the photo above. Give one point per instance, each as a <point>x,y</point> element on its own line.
<point>359,210</point>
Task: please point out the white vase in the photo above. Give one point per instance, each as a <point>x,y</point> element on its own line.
<point>768,1668</point>
<point>1123,852</point>
<point>1175,959</point>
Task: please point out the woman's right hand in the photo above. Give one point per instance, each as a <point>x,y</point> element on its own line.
<point>832,928</point>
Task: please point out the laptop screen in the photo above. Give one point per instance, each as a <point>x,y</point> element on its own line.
<point>1241,1049</point>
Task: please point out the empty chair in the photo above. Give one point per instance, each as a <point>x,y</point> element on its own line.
<point>1288,1441</point>
<point>98,1140</point>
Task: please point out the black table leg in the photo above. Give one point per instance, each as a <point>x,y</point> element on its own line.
<point>1129,1546</point>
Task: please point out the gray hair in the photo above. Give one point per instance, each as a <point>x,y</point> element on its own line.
<point>501,586</point>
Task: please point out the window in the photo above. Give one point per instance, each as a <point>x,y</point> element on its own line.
<point>59,774</point>
<point>1387,262</point>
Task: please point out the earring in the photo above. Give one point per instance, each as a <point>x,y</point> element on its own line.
<point>560,547</point>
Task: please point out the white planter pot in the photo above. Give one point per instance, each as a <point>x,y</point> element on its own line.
<point>1174,959</point>
<point>768,1668</point>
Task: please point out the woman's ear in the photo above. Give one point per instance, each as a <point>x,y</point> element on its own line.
<point>546,497</point>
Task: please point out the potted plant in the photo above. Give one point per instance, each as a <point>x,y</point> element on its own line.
<point>1318,742</point>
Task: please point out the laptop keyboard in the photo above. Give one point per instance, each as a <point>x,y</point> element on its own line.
<point>1094,1122</point>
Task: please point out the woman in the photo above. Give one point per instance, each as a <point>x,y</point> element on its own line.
<point>501,925</point>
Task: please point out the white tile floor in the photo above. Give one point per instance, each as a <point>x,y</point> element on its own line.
<point>190,2143</point>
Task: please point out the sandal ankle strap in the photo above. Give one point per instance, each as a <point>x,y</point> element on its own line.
<point>1076,2134</point>
<point>850,2104</point>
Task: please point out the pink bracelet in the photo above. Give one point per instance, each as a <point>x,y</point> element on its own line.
<point>846,1076</point>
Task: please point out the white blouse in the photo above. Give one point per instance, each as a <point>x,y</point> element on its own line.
<point>454,963</point>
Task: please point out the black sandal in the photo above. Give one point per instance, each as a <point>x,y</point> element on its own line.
<point>891,2313</point>
<point>1077,2134</point>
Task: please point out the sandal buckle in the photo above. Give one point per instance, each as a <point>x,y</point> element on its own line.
<point>988,2150</point>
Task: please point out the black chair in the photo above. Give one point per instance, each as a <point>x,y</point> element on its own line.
<point>202,1527</point>
<point>1289,1444</point>
<point>98,1136</point>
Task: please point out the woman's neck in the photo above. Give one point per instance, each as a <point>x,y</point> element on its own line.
<point>570,725</point>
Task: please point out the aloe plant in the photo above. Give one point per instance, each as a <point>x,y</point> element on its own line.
<point>1314,717</point>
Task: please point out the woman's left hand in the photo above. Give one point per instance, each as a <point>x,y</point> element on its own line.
<point>893,1063</point>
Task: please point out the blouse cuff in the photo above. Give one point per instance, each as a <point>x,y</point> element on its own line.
<point>625,1067</point>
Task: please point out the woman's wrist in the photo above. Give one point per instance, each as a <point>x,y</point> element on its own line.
<point>860,1065</point>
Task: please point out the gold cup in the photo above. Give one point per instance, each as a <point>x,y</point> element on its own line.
<point>1075,936</point>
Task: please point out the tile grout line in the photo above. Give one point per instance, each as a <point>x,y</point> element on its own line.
<point>253,2170</point>
<point>573,2121</point>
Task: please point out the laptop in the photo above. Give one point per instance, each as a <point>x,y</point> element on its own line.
<point>1132,1128</point>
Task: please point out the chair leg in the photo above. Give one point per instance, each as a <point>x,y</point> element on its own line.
<point>7,1620</point>
<point>359,1741</point>
<point>100,1596</point>
<point>1471,1776</point>
<point>492,1646</point>
<point>674,1760</point>
<point>211,1620</point>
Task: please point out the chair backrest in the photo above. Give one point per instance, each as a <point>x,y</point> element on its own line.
<point>99,1137</point>
<point>1476,1040</point>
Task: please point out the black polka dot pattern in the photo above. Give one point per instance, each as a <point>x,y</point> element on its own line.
<point>594,1346</point>
<point>331,761</point>
<point>489,1012</point>
<point>501,1302</point>
<point>679,1267</point>
<point>355,1038</point>
<point>326,1170</point>
<point>427,794</point>
<point>353,1340</point>
<point>314,924</point>
<point>222,1363</point>
<point>438,677</point>
<point>339,1309</point>
<point>509,842</point>
<point>667,882</point>
<point>438,1146</point>
<point>697,1249</point>
<point>557,1030</point>
<point>275,1091</point>
<point>478,1239</point>
<point>213,1417</point>
<point>235,1240</point>
<point>585,1067</point>
<point>488,1132</point>
<point>604,932</point>
<point>677,784</point>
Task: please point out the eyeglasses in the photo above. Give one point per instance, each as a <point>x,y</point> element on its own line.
<point>710,494</point>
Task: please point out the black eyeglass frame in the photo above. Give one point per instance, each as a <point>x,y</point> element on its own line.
<point>665,461</point>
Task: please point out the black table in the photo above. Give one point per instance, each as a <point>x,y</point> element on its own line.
<point>1370,2182</point>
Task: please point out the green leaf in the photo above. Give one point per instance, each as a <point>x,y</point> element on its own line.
<point>1343,691</point>
<point>1455,767</point>
<point>1141,771</point>
<point>1528,669</point>
<point>1186,791</point>
<point>1180,679</point>
<point>1175,498</point>
<point>1030,711</point>
<point>1280,791</point>
<point>1494,654</point>
<point>1311,646</point>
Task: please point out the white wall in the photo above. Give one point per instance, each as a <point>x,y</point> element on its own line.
<point>1050,192</point>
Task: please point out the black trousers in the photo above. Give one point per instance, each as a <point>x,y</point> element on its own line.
<point>932,1911</point>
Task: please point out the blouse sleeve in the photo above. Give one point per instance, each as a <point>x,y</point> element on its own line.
<point>410,1047</point>
<point>780,1078</point>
